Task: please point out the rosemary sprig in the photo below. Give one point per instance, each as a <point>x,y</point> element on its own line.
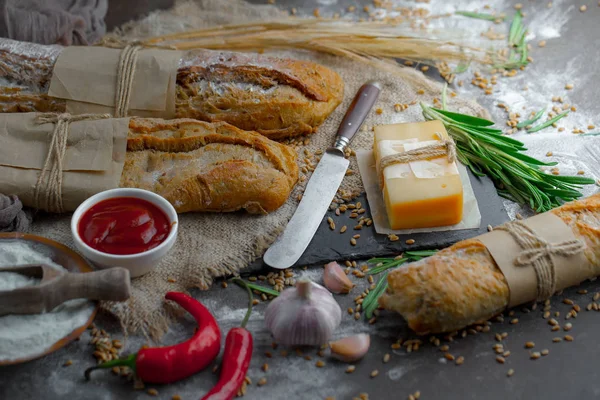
<point>387,263</point>
<point>528,122</point>
<point>518,56</point>
<point>518,177</point>
<point>487,17</point>
<point>547,123</point>
<point>370,303</point>
<point>258,288</point>
<point>591,134</point>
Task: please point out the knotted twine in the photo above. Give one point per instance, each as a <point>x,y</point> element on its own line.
<point>125,76</point>
<point>126,69</point>
<point>538,253</point>
<point>439,149</point>
<point>47,193</point>
<point>12,216</point>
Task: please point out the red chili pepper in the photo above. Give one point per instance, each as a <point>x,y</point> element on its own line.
<point>236,358</point>
<point>173,363</point>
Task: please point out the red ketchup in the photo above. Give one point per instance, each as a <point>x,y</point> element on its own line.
<point>124,225</point>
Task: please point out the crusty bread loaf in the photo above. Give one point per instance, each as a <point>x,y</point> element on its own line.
<point>276,97</point>
<point>462,284</point>
<point>201,166</point>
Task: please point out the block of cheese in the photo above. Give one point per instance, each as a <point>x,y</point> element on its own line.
<point>418,194</point>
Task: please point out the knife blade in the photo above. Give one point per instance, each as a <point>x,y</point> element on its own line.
<point>322,186</point>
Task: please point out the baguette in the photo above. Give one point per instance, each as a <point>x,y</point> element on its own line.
<point>276,97</point>
<point>462,284</point>
<point>214,167</point>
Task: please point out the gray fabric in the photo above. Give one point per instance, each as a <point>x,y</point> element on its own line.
<point>12,216</point>
<point>66,22</point>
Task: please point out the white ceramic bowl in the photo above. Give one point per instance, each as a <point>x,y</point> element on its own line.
<point>137,264</point>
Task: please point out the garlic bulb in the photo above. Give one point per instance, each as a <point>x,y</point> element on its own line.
<point>306,315</point>
<point>352,348</point>
<point>335,279</point>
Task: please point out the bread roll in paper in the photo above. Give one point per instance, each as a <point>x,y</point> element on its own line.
<point>462,285</point>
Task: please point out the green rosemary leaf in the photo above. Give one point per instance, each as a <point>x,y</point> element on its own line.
<point>391,264</point>
<point>535,161</point>
<point>370,302</point>
<point>378,260</point>
<point>537,116</point>
<point>420,253</point>
<point>261,289</point>
<point>461,67</point>
<point>466,119</point>
<point>487,17</point>
<point>577,180</point>
<point>516,29</point>
<point>591,134</point>
<point>548,123</point>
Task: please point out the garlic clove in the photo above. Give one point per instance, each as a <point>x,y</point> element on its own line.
<point>306,315</point>
<point>351,348</point>
<point>335,279</point>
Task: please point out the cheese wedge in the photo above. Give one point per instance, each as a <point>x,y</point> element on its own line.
<point>418,194</point>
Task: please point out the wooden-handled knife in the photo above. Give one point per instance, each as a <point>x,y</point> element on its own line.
<point>322,186</point>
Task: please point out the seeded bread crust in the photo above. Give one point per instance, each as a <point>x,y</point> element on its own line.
<point>276,97</point>
<point>462,284</point>
<point>211,167</point>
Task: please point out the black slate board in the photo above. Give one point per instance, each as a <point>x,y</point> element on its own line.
<point>332,246</point>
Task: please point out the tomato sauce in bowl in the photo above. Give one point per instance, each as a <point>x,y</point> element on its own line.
<point>124,225</point>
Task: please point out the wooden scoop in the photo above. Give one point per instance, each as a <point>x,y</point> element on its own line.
<point>57,287</point>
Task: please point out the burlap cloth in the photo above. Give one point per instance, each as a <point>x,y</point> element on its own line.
<point>215,245</point>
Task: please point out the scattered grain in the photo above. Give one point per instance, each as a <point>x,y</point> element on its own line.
<point>535,355</point>
<point>460,360</point>
<point>374,373</point>
<point>152,392</point>
<point>569,86</point>
<point>500,359</point>
<point>320,364</point>
<point>410,241</point>
<point>386,358</point>
<point>350,369</point>
<point>583,8</point>
<point>569,338</point>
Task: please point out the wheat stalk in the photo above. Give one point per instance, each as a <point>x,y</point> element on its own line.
<point>368,41</point>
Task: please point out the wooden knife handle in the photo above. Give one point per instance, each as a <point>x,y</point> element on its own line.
<point>110,284</point>
<point>357,112</point>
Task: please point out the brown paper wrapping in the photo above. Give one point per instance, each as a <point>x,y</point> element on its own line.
<point>522,280</point>
<point>87,78</point>
<point>93,160</point>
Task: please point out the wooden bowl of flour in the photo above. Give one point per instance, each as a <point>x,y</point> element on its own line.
<point>71,261</point>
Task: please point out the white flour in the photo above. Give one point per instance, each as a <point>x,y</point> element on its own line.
<point>24,336</point>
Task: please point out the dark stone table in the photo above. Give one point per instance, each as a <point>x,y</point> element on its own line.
<point>567,372</point>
